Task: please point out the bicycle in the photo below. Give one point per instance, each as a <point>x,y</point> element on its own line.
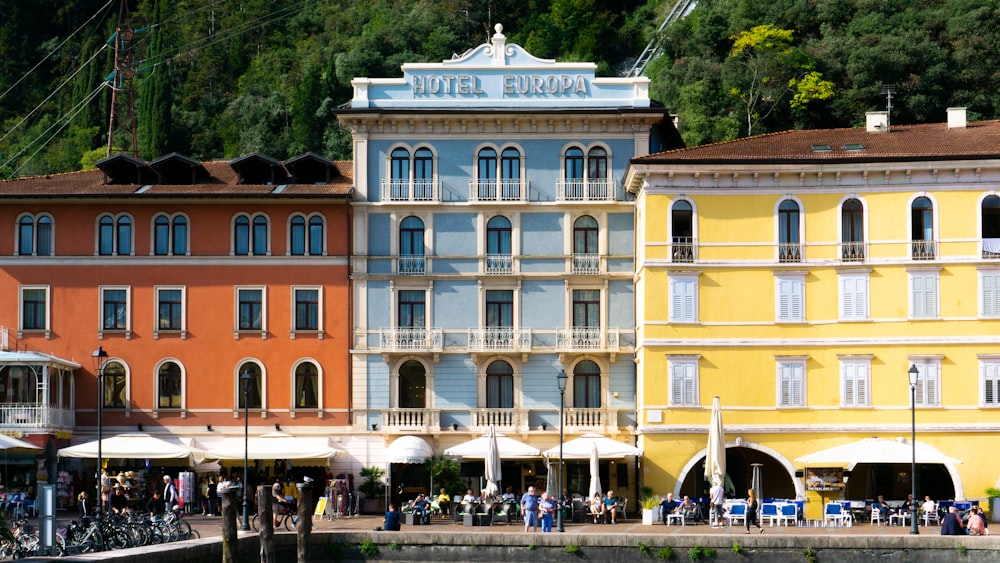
<point>286,514</point>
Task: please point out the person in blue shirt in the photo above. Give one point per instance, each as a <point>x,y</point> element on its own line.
<point>421,509</point>
<point>548,510</point>
<point>611,508</point>
<point>529,509</point>
<point>951,524</point>
<point>391,519</point>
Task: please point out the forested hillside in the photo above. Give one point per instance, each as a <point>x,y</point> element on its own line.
<point>222,78</point>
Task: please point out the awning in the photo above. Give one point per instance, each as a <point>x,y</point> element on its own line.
<point>509,449</point>
<point>13,445</point>
<point>275,445</point>
<point>408,449</point>
<point>581,448</point>
<point>875,450</point>
<point>131,446</point>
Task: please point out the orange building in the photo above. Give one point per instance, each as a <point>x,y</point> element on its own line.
<point>187,275</point>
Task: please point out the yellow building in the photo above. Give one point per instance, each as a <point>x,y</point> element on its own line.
<point>800,276</point>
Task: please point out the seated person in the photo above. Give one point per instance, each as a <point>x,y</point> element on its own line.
<point>391,522</point>
<point>421,509</point>
<point>883,508</point>
<point>976,524</point>
<point>508,495</point>
<point>155,504</point>
<point>469,498</point>
<point>597,508</point>
<point>444,503</point>
<point>667,506</point>
<point>951,524</point>
<point>928,507</point>
<point>611,508</point>
<point>688,508</point>
<point>119,502</point>
<point>16,497</point>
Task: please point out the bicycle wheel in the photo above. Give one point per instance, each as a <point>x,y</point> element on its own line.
<point>253,523</point>
<point>291,522</point>
<point>183,530</point>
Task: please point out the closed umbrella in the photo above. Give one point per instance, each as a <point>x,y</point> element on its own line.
<point>595,472</point>
<point>715,456</point>
<point>550,480</point>
<point>492,461</point>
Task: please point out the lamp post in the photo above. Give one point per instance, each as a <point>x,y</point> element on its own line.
<point>100,358</point>
<point>914,373</point>
<point>561,379</point>
<point>245,378</point>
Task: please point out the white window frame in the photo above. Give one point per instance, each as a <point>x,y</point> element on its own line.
<point>171,241</point>
<point>683,297</point>
<point>157,331</point>
<point>319,388</point>
<point>790,297</point>
<point>855,381</point>
<point>989,377</point>
<point>47,331</point>
<point>115,220</point>
<point>790,376</point>
<point>924,294</point>
<point>318,331</point>
<point>263,313</point>
<point>989,293</point>
<point>127,331</point>
<point>157,409</point>
<point>854,295</point>
<point>683,370</point>
<point>127,408</point>
<point>237,411</point>
<point>928,392</point>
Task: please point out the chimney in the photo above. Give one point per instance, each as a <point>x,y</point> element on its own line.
<point>877,122</point>
<point>956,118</point>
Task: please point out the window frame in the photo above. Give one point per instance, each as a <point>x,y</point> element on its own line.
<point>414,262</point>
<point>989,293</point>
<point>182,387</point>
<point>126,386</point>
<point>312,243</point>
<point>121,232</point>
<point>318,330</point>
<point>238,330</point>
<point>158,302</point>
<point>854,303</point>
<point>35,236</point>
<point>251,223</point>
<point>929,370</point>
<point>790,307</point>
<point>683,306</point>
<point>920,299</point>
<point>103,330</point>
<point>261,378</point>
<point>791,378</point>
<point>855,381</point>
<point>170,235</point>
<point>318,390</point>
<point>46,313</point>
<point>504,380</point>
<point>989,376</point>
<point>688,396</point>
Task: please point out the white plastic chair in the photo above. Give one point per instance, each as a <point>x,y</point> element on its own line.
<point>737,511</point>
<point>877,516</point>
<point>834,514</point>
<point>621,508</point>
<point>932,516</point>
<point>676,516</point>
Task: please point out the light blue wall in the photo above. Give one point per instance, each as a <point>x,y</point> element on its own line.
<point>543,265</point>
<point>539,383</point>
<point>621,300</point>
<point>456,304</point>
<point>379,304</point>
<point>455,234</point>
<point>542,234</point>
<point>622,381</point>
<point>455,384</point>
<point>378,382</point>
<point>543,304</point>
<point>378,234</point>
<point>621,241</point>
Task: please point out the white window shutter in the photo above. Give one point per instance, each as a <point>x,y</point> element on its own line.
<point>849,381</point>
<point>861,380</point>
<point>933,381</point>
<point>676,385</point>
<point>847,297</point>
<point>990,294</point>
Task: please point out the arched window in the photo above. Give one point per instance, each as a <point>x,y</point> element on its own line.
<point>597,172</point>
<point>498,251</point>
<point>169,386</point>
<point>305,237</point>
<point>499,385</point>
<point>259,235</point>
<point>411,246</point>
<point>34,236</point>
<point>412,385</point>
<point>26,236</point>
<point>922,229</point>
<point>573,173</point>
<point>170,235</point>
<point>115,385</point>
<point>297,235</point>
<point>852,227</point>
<point>249,391</point>
<point>399,174</point>
<point>423,174</point>
<point>486,174</point>
<point>789,249</point>
<point>241,236</point>
<point>991,226</point>
<point>682,232</point>
<point>510,174</point>
<point>161,235</point>
<point>114,236</point>
<point>585,255</point>
<point>306,386</point>
<point>316,235</point>
<point>587,385</point>
<point>250,235</point>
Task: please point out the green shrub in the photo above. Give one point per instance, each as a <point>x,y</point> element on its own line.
<point>665,553</point>
<point>645,549</point>
<point>810,555</point>
<point>395,546</point>
<point>737,548</point>
<point>572,549</point>
<point>368,548</point>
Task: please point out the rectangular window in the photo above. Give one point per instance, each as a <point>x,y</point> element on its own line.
<point>500,309</point>
<point>586,308</point>
<point>790,299</point>
<point>169,308</point>
<point>683,299</point>
<point>854,297</point>
<point>928,392</point>
<point>683,383</point>
<point>250,309</point>
<point>923,295</point>
<point>989,370</point>
<point>855,378</point>
<point>34,308</point>
<point>307,309</point>
<point>791,383</point>
<point>989,293</point>
<point>114,308</point>
<point>411,309</point>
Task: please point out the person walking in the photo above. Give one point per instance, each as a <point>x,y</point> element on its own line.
<point>548,510</point>
<point>717,497</point>
<point>529,509</point>
<point>752,506</point>
<point>169,493</point>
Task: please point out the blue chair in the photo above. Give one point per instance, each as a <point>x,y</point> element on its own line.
<point>768,513</point>
<point>788,513</point>
<point>737,511</point>
<point>834,514</point>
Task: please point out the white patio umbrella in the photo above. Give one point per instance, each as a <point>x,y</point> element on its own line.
<point>715,456</point>
<point>134,445</point>
<point>274,445</point>
<point>580,448</point>
<point>550,479</point>
<point>875,450</point>
<point>492,471</point>
<point>595,472</point>
<point>477,447</point>
<point>14,446</point>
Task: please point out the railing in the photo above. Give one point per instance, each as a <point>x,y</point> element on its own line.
<point>585,190</point>
<point>33,416</point>
<point>588,339</point>
<point>923,249</point>
<point>789,252</point>
<point>499,338</point>
<point>501,418</point>
<point>991,248</point>
<point>853,251</point>
<point>410,190</point>
<point>411,265</point>
<point>499,264</point>
<point>497,191</point>
<point>410,340</point>
<point>586,264</point>
<point>585,417</point>
<point>682,249</point>
<point>411,419</point>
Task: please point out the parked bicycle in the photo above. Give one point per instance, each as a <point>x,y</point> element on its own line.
<point>286,515</point>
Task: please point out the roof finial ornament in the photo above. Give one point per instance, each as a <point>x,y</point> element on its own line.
<point>499,41</point>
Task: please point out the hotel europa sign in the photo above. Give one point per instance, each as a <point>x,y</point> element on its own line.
<point>509,85</point>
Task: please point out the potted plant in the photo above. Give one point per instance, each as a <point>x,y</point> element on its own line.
<point>993,497</point>
<point>650,510</point>
<point>373,490</point>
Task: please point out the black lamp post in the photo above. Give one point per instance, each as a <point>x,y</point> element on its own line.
<point>561,379</point>
<point>245,379</point>
<point>100,358</point>
<point>914,373</point>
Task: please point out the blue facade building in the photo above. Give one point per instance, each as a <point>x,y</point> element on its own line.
<point>493,247</point>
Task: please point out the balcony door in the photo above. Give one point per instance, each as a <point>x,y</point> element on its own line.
<point>587,385</point>
<point>412,389</point>
<point>499,385</point>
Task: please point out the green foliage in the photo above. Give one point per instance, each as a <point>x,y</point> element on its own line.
<point>737,548</point>
<point>572,549</point>
<point>809,555</point>
<point>372,486</point>
<point>532,547</point>
<point>446,474</point>
<point>961,549</point>
<point>646,491</point>
<point>993,492</point>
<point>697,552</point>
<point>368,548</point>
<point>649,502</point>
<point>395,546</point>
<point>645,549</point>
<point>665,553</point>
<point>337,550</point>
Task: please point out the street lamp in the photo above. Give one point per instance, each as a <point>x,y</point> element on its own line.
<point>913,373</point>
<point>245,378</point>
<point>100,358</point>
<point>561,380</point>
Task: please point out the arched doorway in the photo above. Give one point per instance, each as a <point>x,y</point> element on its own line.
<point>778,482</point>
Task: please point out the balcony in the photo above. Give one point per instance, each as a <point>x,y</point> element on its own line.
<point>34,417</point>
<point>991,248</point>
<point>411,420</point>
<point>411,265</point>
<point>581,419</point>
<point>593,339</point>
<point>682,250</point>
<point>410,340</point>
<point>789,252</point>
<point>499,264</point>
<point>410,191</point>
<point>478,419</point>
<point>512,420</point>
<point>923,249</point>
<point>853,251</point>
<point>586,190</point>
<point>586,264</point>
<point>499,339</point>
<point>498,191</point>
